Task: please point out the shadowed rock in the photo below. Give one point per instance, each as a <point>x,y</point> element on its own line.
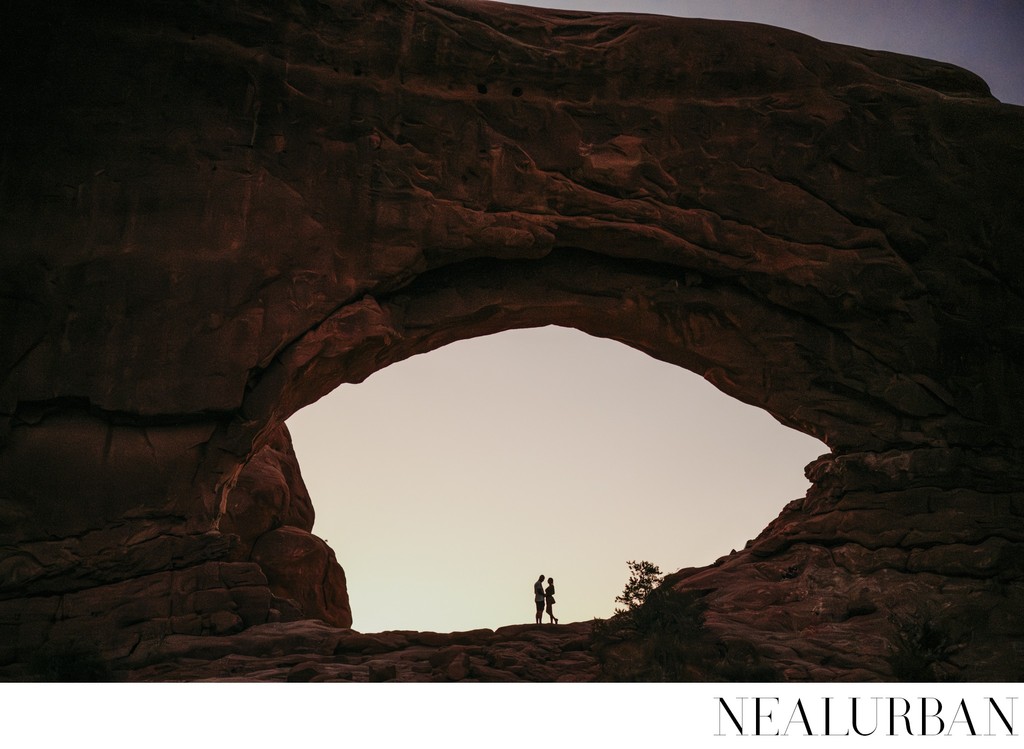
<point>214,216</point>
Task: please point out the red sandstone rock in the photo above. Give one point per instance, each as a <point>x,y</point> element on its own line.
<point>270,513</point>
<point>211,219</point>
<point>269,493</point>
<point>301,566</point>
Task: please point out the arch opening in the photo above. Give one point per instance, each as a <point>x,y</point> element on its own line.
<point>443,481</point>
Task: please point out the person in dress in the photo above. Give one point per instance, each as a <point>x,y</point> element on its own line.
<point>549,597</point>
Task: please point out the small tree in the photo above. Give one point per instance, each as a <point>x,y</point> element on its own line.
<point>643,578</point>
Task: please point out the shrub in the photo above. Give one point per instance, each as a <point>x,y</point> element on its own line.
<point>660,636</point>
<point>922,644</point>
<point>644,577</point>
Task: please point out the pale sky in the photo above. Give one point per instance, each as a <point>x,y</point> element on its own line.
<point>448,482</point>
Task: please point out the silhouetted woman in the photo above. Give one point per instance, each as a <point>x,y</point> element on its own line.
<point>549,596</point>
<point>538,597</point>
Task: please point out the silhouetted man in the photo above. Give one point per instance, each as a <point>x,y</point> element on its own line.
<point>538,597</point>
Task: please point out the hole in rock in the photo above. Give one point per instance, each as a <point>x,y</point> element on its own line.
<point>446,483</point>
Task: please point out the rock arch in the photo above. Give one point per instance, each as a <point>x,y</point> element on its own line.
<point>212,219</point>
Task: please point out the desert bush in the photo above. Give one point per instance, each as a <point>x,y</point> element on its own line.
<point>660,636</point>
<point>924,642</point>
<point>644,577</point>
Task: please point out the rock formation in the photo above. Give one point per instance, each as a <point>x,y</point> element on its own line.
<point>214,215</point>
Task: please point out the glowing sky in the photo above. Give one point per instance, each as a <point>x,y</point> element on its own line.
<point>447,483</point>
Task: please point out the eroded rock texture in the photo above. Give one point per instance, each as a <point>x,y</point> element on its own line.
<point>213,215</point>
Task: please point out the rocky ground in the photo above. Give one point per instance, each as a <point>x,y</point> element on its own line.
<point>315,652</point>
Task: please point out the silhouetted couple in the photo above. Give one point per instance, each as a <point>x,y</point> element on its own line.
<point>542,596</point>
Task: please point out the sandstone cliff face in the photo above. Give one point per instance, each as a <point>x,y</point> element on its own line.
<point>270,514</point>
<point>212,217</point>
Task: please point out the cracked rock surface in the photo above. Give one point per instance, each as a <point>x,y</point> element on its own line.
<point>212,216</point>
